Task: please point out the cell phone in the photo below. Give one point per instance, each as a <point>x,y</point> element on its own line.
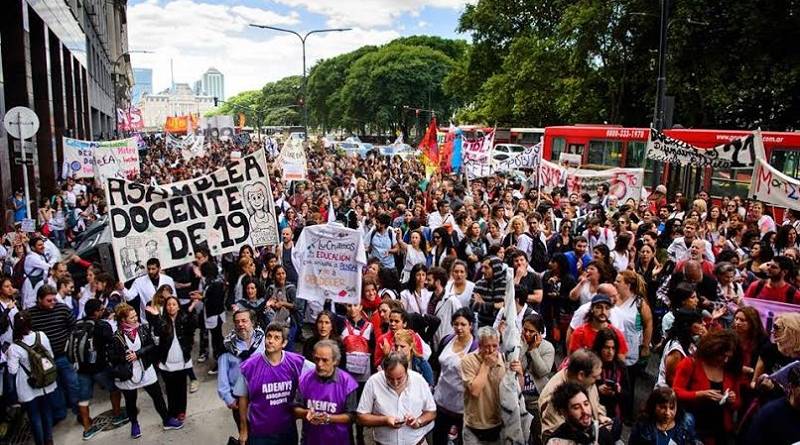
<point>611,383</point>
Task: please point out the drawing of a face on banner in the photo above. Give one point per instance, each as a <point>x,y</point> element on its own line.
<point>262,220</point>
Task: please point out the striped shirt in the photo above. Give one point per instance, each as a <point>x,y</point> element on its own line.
<point>57,324</point>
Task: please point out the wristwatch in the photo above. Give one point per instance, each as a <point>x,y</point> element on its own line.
<point>327,418</point>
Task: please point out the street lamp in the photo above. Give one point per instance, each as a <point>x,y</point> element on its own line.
<point>303,41</point>
<point>116,94</point>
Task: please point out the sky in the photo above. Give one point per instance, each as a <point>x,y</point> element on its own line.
<point>198,34</point>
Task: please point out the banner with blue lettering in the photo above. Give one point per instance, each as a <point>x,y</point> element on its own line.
<point>329,259</point>
<point>221,211</point>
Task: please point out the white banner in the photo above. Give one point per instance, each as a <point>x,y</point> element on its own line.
<point>193,147</point>
<point>329,259</point>
<point>770,185</point>
<point>529,159</point>
<point>218,127</point>
<point>116,159</point>
<point>293,160</point>
<point>624,183</point>
<point>551,176</point>
<point>222,211</point>
<point>738,153</point>
<point>78,158</point>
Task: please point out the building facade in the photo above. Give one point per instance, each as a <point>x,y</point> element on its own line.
<point>213,84</point>
<point>178,101</point>
<point>66,60</point>
<point>142,84</point>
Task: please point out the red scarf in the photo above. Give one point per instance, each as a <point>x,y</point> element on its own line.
<point>130,330</point>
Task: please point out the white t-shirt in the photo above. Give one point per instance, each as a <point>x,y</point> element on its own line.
<point>416,302</point>
<point>465,296</point>
<point>19,364</point>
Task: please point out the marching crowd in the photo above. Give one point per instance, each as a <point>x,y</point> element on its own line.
<point>602,289</point>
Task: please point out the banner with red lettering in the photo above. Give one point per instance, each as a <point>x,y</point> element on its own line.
<point>102,159</point>
<point>770,185</point>
<point>624,183</point>
<point>551,176</point>
<point>130,119</point>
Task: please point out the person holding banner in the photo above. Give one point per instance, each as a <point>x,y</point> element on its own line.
<point>776,287</point>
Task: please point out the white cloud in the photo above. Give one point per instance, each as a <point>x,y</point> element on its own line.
<point>422,24</point>
<point>199,35</point>
<point>370,13</point>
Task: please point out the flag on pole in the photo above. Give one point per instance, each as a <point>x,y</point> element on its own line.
<point>455,160</point>
<point>447,149</point>
<point>429,147</point>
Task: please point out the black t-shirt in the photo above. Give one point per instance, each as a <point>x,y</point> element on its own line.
<point>772,358</point>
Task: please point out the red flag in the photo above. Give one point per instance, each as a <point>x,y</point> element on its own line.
<point>429,146</point>
<point>447,150</point>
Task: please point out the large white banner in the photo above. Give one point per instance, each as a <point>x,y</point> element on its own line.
<point>193,147</point>
<point>329,259</point>
<point>770,185</point>
<point>551,176</point>
<point>478,156</point>
<point>222,211</point>
<point>102,159</point>
<point>738,153</point>
<point>293,160</point>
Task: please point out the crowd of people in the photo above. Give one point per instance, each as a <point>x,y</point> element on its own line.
<point>606,292</point>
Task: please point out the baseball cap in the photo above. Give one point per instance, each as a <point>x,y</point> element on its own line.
<point>661,188</point>
<point>601,298</point>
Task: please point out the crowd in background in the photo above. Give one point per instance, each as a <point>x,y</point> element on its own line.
<point>637,318</point>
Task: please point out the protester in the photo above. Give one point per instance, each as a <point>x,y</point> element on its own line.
<point>661,420</point>
<point>579,427</point>
<point>242,342</point>
<point>175,330</point>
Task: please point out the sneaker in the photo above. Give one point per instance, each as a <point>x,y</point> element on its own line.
<point>91,432</point>
<point>194,385</point>
<point>136,432</point>
<point>212,371</point>
<point>119,420</point>
<point>202,357</point>
<point>172,424</point>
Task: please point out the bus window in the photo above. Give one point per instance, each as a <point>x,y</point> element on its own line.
<point>635,158</point>
<point>786,161</point>
<point>558,146</point>
<point>608,153</point>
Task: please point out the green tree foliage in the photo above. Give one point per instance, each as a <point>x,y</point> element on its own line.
<point>541,62</point>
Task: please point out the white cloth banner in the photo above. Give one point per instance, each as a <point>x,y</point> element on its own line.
<point>770,185</point>
<point>738,153</point>
<point>551,176</point>
<point>329,260</point>
<point>624,183</point>
<point>103,159</point>
<point>529,159</point>
<point>222,211</point>
<point>293,160</point>
<point>193,147</point>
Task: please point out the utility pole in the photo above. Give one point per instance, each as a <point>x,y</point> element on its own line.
<point>661,82</point>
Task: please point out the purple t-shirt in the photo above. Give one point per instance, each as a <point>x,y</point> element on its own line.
<point>271,390</point>
<point>326,397</point>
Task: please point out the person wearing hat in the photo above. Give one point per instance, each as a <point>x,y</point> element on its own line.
<point>658,198</point>
<point>597,319</point>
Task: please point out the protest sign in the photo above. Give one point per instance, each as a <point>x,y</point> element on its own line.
<point>219,127</point>
<point>104,159</point>
<point>528,159</point>
<point>116,159</point>
<point>770,185</point>
<point>478,150</point>
<point>222,211</point>
<point>738,153</point>
<point>551,176</point>
<point>624,183</point>
<point>78,158</point>
<point>130,119</point>
<point>193,147</point>
<point>770,309</point>
<point>293,160</point>
<point>329,259</point>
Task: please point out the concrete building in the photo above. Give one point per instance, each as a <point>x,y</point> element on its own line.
<point>65,59</point>
<point>142,84</point>
<point>179,101</point>
<point>213,84</point>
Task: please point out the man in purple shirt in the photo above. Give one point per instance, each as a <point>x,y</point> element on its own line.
<point>326,399</point>
<point>266,391</point>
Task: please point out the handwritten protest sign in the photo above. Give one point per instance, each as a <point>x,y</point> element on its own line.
<point>293,160</point>
<point>738,153</point>
<point>551,176</point>
<point>329,259</point>
<point>770,185</point>
<point>624,183</point>
<point>528,159</point>
<point>222,211</point>
<point>103,159</point>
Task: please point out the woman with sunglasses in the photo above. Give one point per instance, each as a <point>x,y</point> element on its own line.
<point>442,247</point>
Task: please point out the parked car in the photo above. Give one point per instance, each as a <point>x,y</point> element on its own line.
<point>502,152</point>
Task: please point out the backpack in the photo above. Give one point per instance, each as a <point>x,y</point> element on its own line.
<point>790,291</point>
<point>80,344</point>
<point>356,348</point>
<point>5,321</point>
<point>43,370</point>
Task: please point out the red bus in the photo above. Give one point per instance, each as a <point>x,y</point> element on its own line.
<point>608,146</point>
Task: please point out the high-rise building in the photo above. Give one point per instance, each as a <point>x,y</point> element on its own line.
<point>213,84</point>
<point>142,83</point>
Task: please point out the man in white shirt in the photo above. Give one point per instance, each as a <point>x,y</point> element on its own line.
<point>597,235</point>
<point>441,216</point>
<point>397,403</point>
<point>145,286</point>
<point>36,269</point>
<point>679,249</point>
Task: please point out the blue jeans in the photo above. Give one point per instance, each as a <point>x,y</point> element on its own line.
<point>59,238</point>
<point>40,414</point>
<point>68,389</point>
